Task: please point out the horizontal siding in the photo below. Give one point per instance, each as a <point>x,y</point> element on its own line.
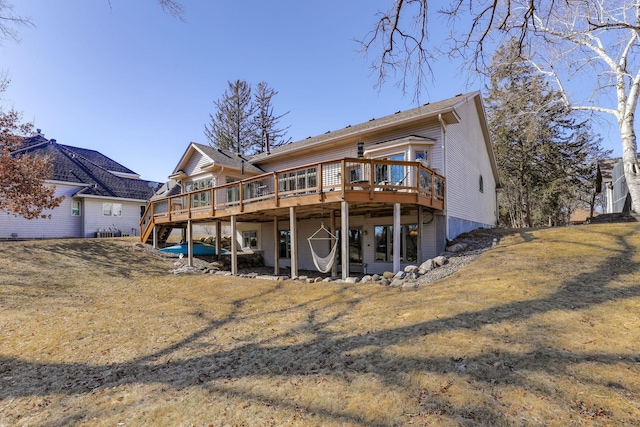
<point>129,222</point>
<point>345,148</point>
<point>195,163</point>
<point>61,224</point>
<point>466,160</point>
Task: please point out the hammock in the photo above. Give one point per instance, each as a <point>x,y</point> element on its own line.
<point>324,264</point>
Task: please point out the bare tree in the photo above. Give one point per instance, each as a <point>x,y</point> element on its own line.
<point>597,41</point>
<point>173,7</point>
<point>9,22</point>
<point>268,124</point>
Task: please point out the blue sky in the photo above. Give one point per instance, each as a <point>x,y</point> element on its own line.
<point>138,85</point>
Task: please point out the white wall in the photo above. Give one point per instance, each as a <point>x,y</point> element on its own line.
<point>466,160</point>
<point>94,220</point>
<point>61,224</point>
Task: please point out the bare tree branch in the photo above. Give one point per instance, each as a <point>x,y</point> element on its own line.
<point>9,22</point>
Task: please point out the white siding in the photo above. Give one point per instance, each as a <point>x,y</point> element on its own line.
<point>61,224</point>
<point>345,148</point>
<point>466,160</point>
<point>195,163</point>
<point>129,222</point>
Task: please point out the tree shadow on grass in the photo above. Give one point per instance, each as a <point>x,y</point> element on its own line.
<point>113,257</point>
<point>335,355</point>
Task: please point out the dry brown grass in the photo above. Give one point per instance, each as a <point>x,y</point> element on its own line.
<point>542,330</point>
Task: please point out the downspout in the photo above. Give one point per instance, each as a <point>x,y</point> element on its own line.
<point>444,172</point>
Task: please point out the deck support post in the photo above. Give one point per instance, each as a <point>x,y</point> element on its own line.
<point>219,240</point>
<point>332,227</point>
<point>190,243</point>
<point>155,236</point>
<point>276,247</point>
<point>293,230</point>
<point>344,234</point>
<point>234,247</point>
<point>396,237</point>
<point>420,234</point>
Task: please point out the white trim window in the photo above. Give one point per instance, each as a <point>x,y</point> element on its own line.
<point>75,208</point>
<point>250,239</point>
<point>111,209</point>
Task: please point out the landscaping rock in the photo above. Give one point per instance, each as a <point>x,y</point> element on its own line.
<point>400,275</point>
<point>440,260</point>
<point>388,275</point>
<point>397,282</point>
<point>411,269</point>
<point>428,265</point>
<point>384,281</point>
<point>457,247</point>
<point>351,280</point>
<point>366,279</point>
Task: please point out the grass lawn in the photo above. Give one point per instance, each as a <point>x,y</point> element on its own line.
<point>542,330</point>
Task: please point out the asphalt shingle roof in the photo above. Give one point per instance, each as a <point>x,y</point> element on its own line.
<point>89,167</point>
<point>228,158</point>
<point>427,110</point>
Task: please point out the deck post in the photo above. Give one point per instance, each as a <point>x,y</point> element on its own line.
<point>219,239</point>
<point>190,242</point>
<point>234,247</point>
<point>332,227</point>
<point>396,237</point>
<point>276,247</point>
<point>344,234</point>
<point>293,230</point>
<point>420,234</point>
<point>155,236</point>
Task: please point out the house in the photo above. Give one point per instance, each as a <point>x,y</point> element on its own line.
<point>102,197</point>
<point>611,182</point>
<point>391,191</point>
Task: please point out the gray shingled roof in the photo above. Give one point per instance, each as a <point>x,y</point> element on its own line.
<point>228,158</point>
<point>427,110</point>
<point>89,167</point>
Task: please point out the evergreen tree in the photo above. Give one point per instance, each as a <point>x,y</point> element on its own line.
<point>544,154</point>
<point>242,123</point>
<point>233,127</point>
<point>266,121</point>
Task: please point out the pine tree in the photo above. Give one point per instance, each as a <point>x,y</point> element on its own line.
<point>544,154</point>
<point>233,127</point>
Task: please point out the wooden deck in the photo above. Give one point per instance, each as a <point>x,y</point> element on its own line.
<point>368,184</point>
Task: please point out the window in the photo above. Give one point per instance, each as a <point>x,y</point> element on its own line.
<point>75,207</point>
<point>285,244</point>
<point>112,209</point>
<point>383,240</point>
<point>422,156</point>
<point>250,239</point>
<point>355,246</point>
<point>481,183</point>
<point>391,174</point>
<point>198,184</point>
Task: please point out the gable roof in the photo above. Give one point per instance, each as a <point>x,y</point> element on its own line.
<point>217,156</point>
<point>446,108</point>
<point>96,173</point>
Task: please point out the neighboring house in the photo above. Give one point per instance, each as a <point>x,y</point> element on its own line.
<point>402,185</point>
<point>611,182</point>
<point>101,195</point>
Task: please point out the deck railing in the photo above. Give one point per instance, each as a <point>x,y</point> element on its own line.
<point>347,175</point>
